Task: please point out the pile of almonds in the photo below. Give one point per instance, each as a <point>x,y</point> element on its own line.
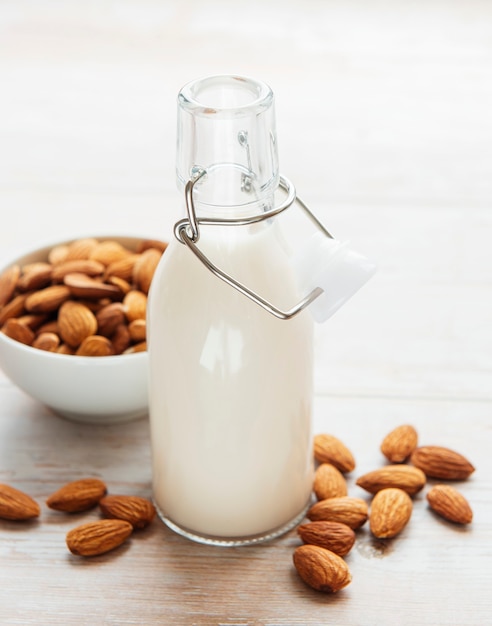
<point>122,513</point>
<point>88,298</point>
<point>335,516</point>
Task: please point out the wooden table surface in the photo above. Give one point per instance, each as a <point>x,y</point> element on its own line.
<point>385,126</point>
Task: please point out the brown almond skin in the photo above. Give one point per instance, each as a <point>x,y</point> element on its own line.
<point>410,479</point>
<point>81,266</point>
<point>140,512</point>
<point>83,286</point>
<point>15,505</point>
<point>78,495</point>
<point>334,536</point>
<point>14,308</point>
<point>399,444</point>
<point>35,276</point>
<point>443,463</point>
<point>347,510</point>
<point>329,449</point>
<point>449,503</point>
<point>47,341</point>
<point>18,331</point>
<point>8,282</point>
<point>135,303</point>
<point>95,345</point>
<point>391,510</point>
<point>47,299</point>
<point>76,322</point>
<point>109,317</point>
<point>95,538</point>
<point>329,482</point>
<point>321,569</point>
<point>145,267</point>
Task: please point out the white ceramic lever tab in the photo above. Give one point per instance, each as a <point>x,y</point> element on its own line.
<point>333,266</point>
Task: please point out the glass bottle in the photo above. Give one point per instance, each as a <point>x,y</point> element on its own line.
<point>231,385</point>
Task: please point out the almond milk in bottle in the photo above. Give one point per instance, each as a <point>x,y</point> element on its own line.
<point>231,374</point>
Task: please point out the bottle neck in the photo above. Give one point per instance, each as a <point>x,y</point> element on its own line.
<point>231,192</point>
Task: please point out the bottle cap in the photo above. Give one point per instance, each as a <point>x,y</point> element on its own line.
<point>336,268</point>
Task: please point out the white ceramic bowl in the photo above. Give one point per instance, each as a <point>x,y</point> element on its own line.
<point>100,390</point>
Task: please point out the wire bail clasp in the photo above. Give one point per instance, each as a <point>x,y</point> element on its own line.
<point>187,231</point>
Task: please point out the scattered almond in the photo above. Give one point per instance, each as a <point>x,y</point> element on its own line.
<point>334,536</point>
<point>347,510</point>
<point>329,449</point>
<point>95,538</point>
<point>78,495</point>
<point>450,504</point>
<point>410,479</point>
<point>391,510</point>
<point>399,444</point>
<point>138,511</point>
<point>15,505</point>
<point>329,482</point>
<point>321,569</point>
<point>442,463</point>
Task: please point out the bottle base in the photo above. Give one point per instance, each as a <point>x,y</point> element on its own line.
<point>231,542</point>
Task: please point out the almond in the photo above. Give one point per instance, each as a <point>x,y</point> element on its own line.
<point>449,503</point>
<point>8,282</point>
<point>123,268</point>
<point>151,243</point>
<point>49,342</point>
<point>81,248</point>
<point>78,495</point>
<point>121,339</point>
<point>410,479</point>
<point>58,254</point>
<point>399,444</point>
<point>442,463</point>
<point>83,286</point>
<point>14,308</point>
<point>135,303</point>
<point>18,331</point>
<point>347,510</point>
<point>15,505</point>
<point>35,276</point>
<point>329,449</point>
<point>137,347</point>
<point>107,252</point>
<point>391,510</point>
<point>76,266</point>
<point>109,317</point>
<point>329,482</point>
<point>98,537</point>
<point>122,284</point>
<point>334,536</point>
<point>321,569</point>
<point>47,299</point>
<point>138,511</point>
<point>145,267</point>
<point>76,322</point>
<point>95,345</point>
<point>138,330</point>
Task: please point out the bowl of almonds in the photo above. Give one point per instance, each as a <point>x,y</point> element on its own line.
<point>73,326</point>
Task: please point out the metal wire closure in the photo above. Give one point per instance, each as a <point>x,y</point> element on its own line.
<point>187,231</point>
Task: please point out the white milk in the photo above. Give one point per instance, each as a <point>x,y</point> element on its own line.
<point>230,389</point>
